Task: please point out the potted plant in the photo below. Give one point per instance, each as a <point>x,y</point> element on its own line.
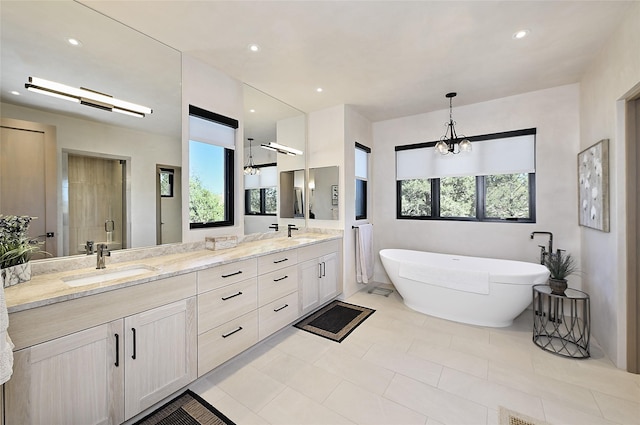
<point>560,266</point>
<point>16,249</point>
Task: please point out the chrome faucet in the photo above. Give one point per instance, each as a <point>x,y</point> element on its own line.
<point>89,248</point>
<point>101,252</point>
<point>543,251</point>
<point>290,227</point>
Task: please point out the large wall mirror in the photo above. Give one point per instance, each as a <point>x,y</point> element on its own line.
<point>324,194</point>
<point>117,177</point>
<point>269,120</point>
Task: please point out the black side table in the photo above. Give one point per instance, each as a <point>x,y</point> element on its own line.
<point>561,323</point>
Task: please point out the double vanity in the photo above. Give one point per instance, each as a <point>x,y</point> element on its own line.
<point>101,346</point>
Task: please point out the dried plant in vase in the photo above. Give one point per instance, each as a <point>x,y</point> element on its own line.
<point>16,249</point>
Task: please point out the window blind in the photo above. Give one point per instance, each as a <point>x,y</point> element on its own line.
<point>361,164</point>
<point>206,131</point>
<point>507,155</point>
<point>266,178</point>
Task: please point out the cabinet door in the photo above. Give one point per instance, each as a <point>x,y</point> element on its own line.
<point>309,276</point>
<point>75,379</point>
<point>160,354</point>
<point>329,277</point>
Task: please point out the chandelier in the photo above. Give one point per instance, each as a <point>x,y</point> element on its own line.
<point>451,142</point>
<point>250,168</point>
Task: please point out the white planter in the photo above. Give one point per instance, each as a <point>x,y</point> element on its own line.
<point>16,274</point>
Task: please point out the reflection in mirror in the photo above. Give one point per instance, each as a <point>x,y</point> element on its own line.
<point>292,194</point>
<point>95,196</point>
<point>113,59</point>
<point>269,120</point>
<point>324,198</point>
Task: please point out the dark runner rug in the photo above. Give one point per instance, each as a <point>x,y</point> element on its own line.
<point>335,321</point>
<point>186,409</point>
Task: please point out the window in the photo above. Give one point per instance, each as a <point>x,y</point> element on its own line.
<point>458,197</point>
<point>211,168</point>
<point>166,182</point>
<point>362,171</point>
<point>495,182</point>
<point>261,201</point>
<point>261,192</point>
<point>507,196</point>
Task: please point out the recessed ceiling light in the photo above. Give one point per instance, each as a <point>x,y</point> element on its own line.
<point>254,47</point>
<point>319,89</point>
<point>74,42</point>
<point>252,110</point>
<point>15,93</point>
<point>520,34</point>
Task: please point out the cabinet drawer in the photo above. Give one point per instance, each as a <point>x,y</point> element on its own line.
<point>224,342</point>
<point>278,260</point>
<point>277,284</point>
<point>277,314</point>
<point>224,304</point>
<point>226,274</point>
<point>318,250</point>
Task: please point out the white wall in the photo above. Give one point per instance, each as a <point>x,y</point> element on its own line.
<point>554,112</point>
<point>612,76</point>
<point>357,129</point>
<point>332,134</point>
<point>325,147</point>
<point>212,90</point>
<point>145,150</point>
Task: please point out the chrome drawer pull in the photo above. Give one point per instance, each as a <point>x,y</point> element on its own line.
<point>281,308</point>
<point>280,261</point>
<point>232,274</point>
<point>280,278</point>
<point>231,296</point>
<point>232,332</point>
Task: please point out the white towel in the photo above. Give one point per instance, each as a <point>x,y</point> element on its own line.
<point>462,280</point>
<point>6,346</point>
<point>364,253</point>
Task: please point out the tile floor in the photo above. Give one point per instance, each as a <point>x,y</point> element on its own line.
<point>403,367</point>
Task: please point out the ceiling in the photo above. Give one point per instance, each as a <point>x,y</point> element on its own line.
<point>387,58</point>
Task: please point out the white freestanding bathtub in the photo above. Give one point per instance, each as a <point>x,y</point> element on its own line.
<point>478,291</point>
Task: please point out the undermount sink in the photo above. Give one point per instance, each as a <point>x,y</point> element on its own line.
<point>106,275</point>
<point>304,240</point>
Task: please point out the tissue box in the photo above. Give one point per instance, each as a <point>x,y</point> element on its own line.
<point>220,242</point>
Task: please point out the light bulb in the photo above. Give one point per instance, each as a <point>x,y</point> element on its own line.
<point>465,146</point>
<point>442,148</point>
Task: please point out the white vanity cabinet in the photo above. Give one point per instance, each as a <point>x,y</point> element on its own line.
<point>88,375</point>
<point>159,354</point>
<point>75,379</point>
<point>319,278</point>
<point>105,358</point>
<point>277,291</point>
<point>227,312</point>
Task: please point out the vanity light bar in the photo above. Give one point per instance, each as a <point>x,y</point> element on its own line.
<point>281,149</point>
<point>86,97</point>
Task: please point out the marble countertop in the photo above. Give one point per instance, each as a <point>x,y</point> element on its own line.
<point>51,288</point>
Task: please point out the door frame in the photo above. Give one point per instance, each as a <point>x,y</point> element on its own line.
<point>632,156</point>
<point>177,193</point>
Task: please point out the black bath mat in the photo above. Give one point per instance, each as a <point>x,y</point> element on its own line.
<point>335,321</point>
<point>186,409</point>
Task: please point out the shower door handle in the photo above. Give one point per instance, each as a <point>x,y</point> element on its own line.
<point>109,226</point>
